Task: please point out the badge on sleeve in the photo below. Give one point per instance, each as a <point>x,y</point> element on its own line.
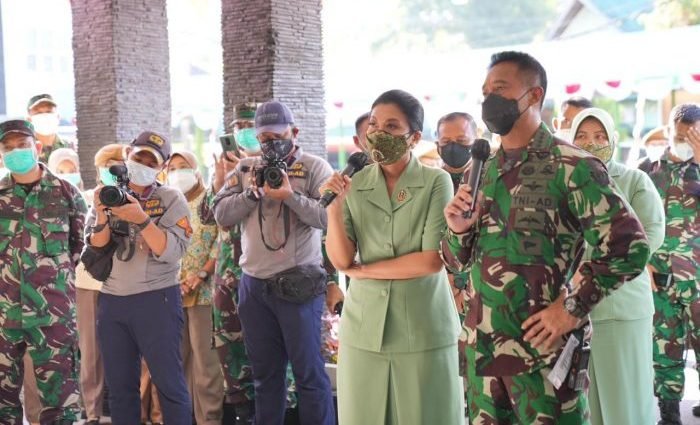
<point>184,223</point>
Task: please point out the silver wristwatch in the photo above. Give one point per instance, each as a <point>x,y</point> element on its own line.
<point>573,306</point>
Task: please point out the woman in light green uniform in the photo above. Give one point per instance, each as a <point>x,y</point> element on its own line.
<point>398,333</point>
<point>621,390</point>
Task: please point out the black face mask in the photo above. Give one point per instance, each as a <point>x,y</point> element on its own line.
<point>277,148</point>
<point>455,155</point>
<point>500,114</point>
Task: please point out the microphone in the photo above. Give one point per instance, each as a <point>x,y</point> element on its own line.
<point>356,162</point>
<point>480,153</point>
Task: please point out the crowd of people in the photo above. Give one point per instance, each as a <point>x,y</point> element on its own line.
<point>561,288</point>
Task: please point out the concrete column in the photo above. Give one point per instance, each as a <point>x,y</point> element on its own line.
<point>122,80</point>
<point>272,49</point>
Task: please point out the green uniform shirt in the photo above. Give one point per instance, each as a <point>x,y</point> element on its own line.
<point>634,299</point>
<point>398,315</point>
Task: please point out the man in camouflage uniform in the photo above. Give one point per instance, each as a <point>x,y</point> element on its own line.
<point>540,199</point>
<point>42,112</point>
<point>41,237</point>
<point>675,267</point>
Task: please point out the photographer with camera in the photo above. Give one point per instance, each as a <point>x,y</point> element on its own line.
<point>143,230</point>
<point>281,293</point>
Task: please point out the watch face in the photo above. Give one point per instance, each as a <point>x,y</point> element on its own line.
<point>570,304</point>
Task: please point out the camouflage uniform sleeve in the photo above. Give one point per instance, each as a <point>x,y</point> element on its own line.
<point>331,272</point>
<point>456,250</point>
<point>76,237</point>
<point>620,249</point>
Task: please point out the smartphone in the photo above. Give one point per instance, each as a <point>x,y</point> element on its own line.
<point>228,144</point>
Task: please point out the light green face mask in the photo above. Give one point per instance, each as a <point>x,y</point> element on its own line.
<point>72,178</point>
<point>385,148</point>
<point>247,139</point>
<point>106,177</point>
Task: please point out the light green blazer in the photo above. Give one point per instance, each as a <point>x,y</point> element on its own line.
<point>398,315</point>
<point>633,300</point>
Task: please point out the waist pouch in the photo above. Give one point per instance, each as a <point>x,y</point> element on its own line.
<point>98,261</point>
<point>298,284</point>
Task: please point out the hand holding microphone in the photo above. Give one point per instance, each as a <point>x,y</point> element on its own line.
<point>459,212</point>
<point>340,183</point>
<point>480,153</point>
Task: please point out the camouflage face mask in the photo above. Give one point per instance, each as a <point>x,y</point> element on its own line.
<point>604,153</point>
<point>385,148</point>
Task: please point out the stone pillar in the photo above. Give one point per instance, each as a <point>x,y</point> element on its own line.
<point>122,80</point>
<point>272,50</point>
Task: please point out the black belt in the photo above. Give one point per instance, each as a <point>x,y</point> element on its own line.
<point>663,280</point>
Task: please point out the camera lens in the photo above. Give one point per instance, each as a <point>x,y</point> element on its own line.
<point>112,196</point>
<point>273,176</point>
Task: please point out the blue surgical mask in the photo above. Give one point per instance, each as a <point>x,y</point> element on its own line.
<point>106,177</point>
<point>72,178</point>
<point>141,175</point>
<point>20,161</point>
<point>247,139</point>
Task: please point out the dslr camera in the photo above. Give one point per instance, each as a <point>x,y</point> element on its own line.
<point>271,171</point>
<point>116,196</point>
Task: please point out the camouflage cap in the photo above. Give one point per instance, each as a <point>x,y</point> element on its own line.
<point>40,98</point>
<point>245,111</point>
<point>16,126</point>
<point>154,143</point>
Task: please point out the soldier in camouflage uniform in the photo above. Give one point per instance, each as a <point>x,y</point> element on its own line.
<point>540,199</point>
<point>41,111</point>
<point>675,266</point>
<point>41,237</point>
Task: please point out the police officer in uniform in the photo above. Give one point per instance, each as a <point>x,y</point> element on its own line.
<point>281,232</point>
<point>140,306</point>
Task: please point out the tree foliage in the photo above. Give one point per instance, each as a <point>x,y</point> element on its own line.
<point>672,13</point>
<point>480,23</point>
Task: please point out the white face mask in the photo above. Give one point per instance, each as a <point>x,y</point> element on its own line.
<point>655,152</point>
<point>140,174</point>
<point>684,151</point>
<point>45,124</point>
<point>183,179</point>
<point>564,134</point>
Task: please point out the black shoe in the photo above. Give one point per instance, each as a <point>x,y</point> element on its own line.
<point>93,422</point>
<point>245,413</point>
<point>696,409</point>
<point>670,412</point>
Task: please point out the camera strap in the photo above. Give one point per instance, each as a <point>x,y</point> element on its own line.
<point>261,218</point>
<point>127,245</point>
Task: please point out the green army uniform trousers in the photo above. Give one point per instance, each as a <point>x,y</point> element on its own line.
<point>677,313</point>
<point>522,399</point>
<point>53,350</point>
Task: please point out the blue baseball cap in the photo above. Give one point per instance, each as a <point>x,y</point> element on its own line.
<point>273,117</point>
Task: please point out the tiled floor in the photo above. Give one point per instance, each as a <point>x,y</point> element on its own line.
<point>692,394</point>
